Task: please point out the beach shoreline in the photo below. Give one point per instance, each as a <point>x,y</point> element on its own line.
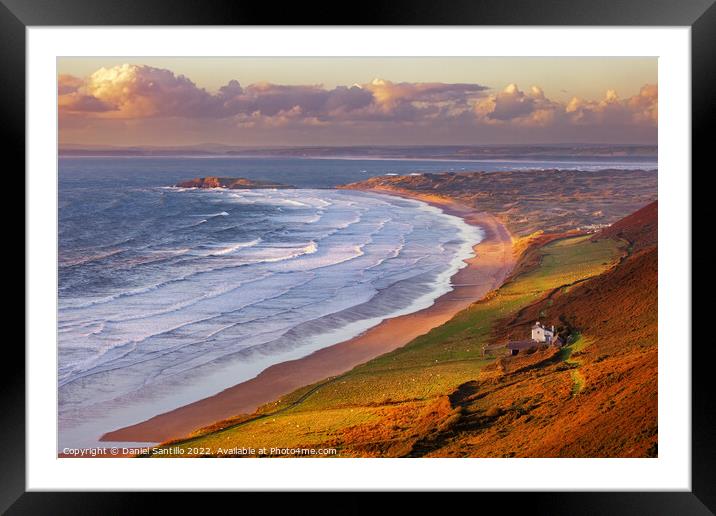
<point>486,271</point>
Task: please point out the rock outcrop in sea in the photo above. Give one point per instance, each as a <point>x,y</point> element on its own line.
<point>232,183</point>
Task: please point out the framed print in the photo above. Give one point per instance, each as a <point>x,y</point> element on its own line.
<point>430,250</point>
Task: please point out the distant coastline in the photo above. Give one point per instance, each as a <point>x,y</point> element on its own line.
<point>433,153</point>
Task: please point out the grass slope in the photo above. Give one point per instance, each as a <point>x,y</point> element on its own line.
<point>598,396</point>
<point>391,405</point>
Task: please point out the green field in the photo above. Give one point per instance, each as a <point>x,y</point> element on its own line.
<point>394,386</point>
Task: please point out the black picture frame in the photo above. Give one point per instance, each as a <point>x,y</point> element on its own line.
<point>700,15</point>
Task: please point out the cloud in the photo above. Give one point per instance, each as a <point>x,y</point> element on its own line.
<point>388,95</point>
<point>138,94</point>
<point>268,99</point>
<point>640,109</point>
<point>67,84</point>
<point>515,107</point>
<point>143,91</point>
<point>133,91</point>
<point>511,103</point>
<point>645,106</point>
<point>79,103</point>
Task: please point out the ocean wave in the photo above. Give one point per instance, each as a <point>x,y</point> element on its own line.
<point>152,257</point>
<point>87,367</point>
<point>164,253</point>
<point>234,247</point>
<point>204,295</point>
<point>102,357</point>
<point>199,223</point>
<point>211,215</point>
<point>392,254</point>
<point>111,356</point>
<point>83,260</point>
<point>309,248</point>
<point>69,305</point>
<point>119,295</point>
<point>236,297</point>
<point>291,202</point>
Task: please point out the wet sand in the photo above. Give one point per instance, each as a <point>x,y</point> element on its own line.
<point>486,271</point>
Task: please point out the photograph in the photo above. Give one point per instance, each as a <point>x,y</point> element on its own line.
<point>357,257</point>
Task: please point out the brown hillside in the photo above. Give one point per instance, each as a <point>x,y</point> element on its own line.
<point>611,301</point>
<point>596,397</point>
<point>640,228</point>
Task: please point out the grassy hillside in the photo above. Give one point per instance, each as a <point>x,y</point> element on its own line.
<point>598,396</point>
<point>414,401</point>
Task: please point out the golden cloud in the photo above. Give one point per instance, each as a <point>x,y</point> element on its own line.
<point>135,92</point>
<point>513,106</point>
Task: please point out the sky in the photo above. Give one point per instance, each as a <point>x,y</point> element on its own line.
<point>266,101</point>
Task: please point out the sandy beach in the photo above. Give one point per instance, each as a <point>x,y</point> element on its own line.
<point>487,270</point>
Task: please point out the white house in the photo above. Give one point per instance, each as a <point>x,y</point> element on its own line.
<point>542,334</point>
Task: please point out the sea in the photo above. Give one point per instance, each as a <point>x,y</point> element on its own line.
<point>168,295</point>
